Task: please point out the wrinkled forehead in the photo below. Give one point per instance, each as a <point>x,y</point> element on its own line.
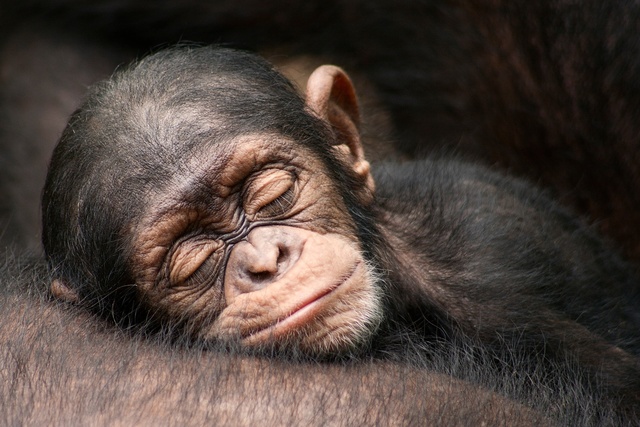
<point>217,169</point>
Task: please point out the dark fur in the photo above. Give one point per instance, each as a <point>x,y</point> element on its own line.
<point>543,89</point>
<point>503,268</point>
<point>511,271</point>
<point>60,367</point>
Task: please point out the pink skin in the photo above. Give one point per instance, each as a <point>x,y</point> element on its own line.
<point>284,279</point>
<point>308,310</point>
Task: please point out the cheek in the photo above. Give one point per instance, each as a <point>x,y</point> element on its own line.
<point>193,308</point>
<point>347,320</point>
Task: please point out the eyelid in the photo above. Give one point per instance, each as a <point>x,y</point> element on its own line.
<point>189,258</point>
<point>267,188</point>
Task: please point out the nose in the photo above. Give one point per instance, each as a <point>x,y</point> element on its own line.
<point>265,256</point>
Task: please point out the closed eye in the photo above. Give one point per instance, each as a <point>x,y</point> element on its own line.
<point>281,205</point>
<point>196,262</point>
<point>206,273</point>
<point>270,194</point>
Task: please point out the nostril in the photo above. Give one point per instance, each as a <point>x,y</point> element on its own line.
<point>264,264</point>
<point>283,258</point>
<point>269,265</point>
<point>261,276</point>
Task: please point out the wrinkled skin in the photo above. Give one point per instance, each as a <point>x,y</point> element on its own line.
<point>252,279</point>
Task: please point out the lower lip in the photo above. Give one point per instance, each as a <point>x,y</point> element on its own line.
<point>294,321</point>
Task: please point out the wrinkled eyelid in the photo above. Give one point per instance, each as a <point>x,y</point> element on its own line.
<point>281,204</point>
<point>208,271</point>
<point>273,189</point>
<point>190,259</point>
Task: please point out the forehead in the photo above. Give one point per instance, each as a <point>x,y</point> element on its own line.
<point>250,152</point>
<point>183,136</point>
<point>218,168</point>
<point>210,175</point>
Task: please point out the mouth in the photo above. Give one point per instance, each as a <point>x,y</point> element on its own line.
<point>301,314</point>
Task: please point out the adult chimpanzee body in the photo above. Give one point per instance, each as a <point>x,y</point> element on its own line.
<point>199,190</point>
<point>61,366</point>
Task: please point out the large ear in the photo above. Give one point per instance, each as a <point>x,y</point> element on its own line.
<point>330,94</point>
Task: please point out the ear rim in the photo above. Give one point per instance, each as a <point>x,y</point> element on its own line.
<point>330,94</point>
<point>329,85</point>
